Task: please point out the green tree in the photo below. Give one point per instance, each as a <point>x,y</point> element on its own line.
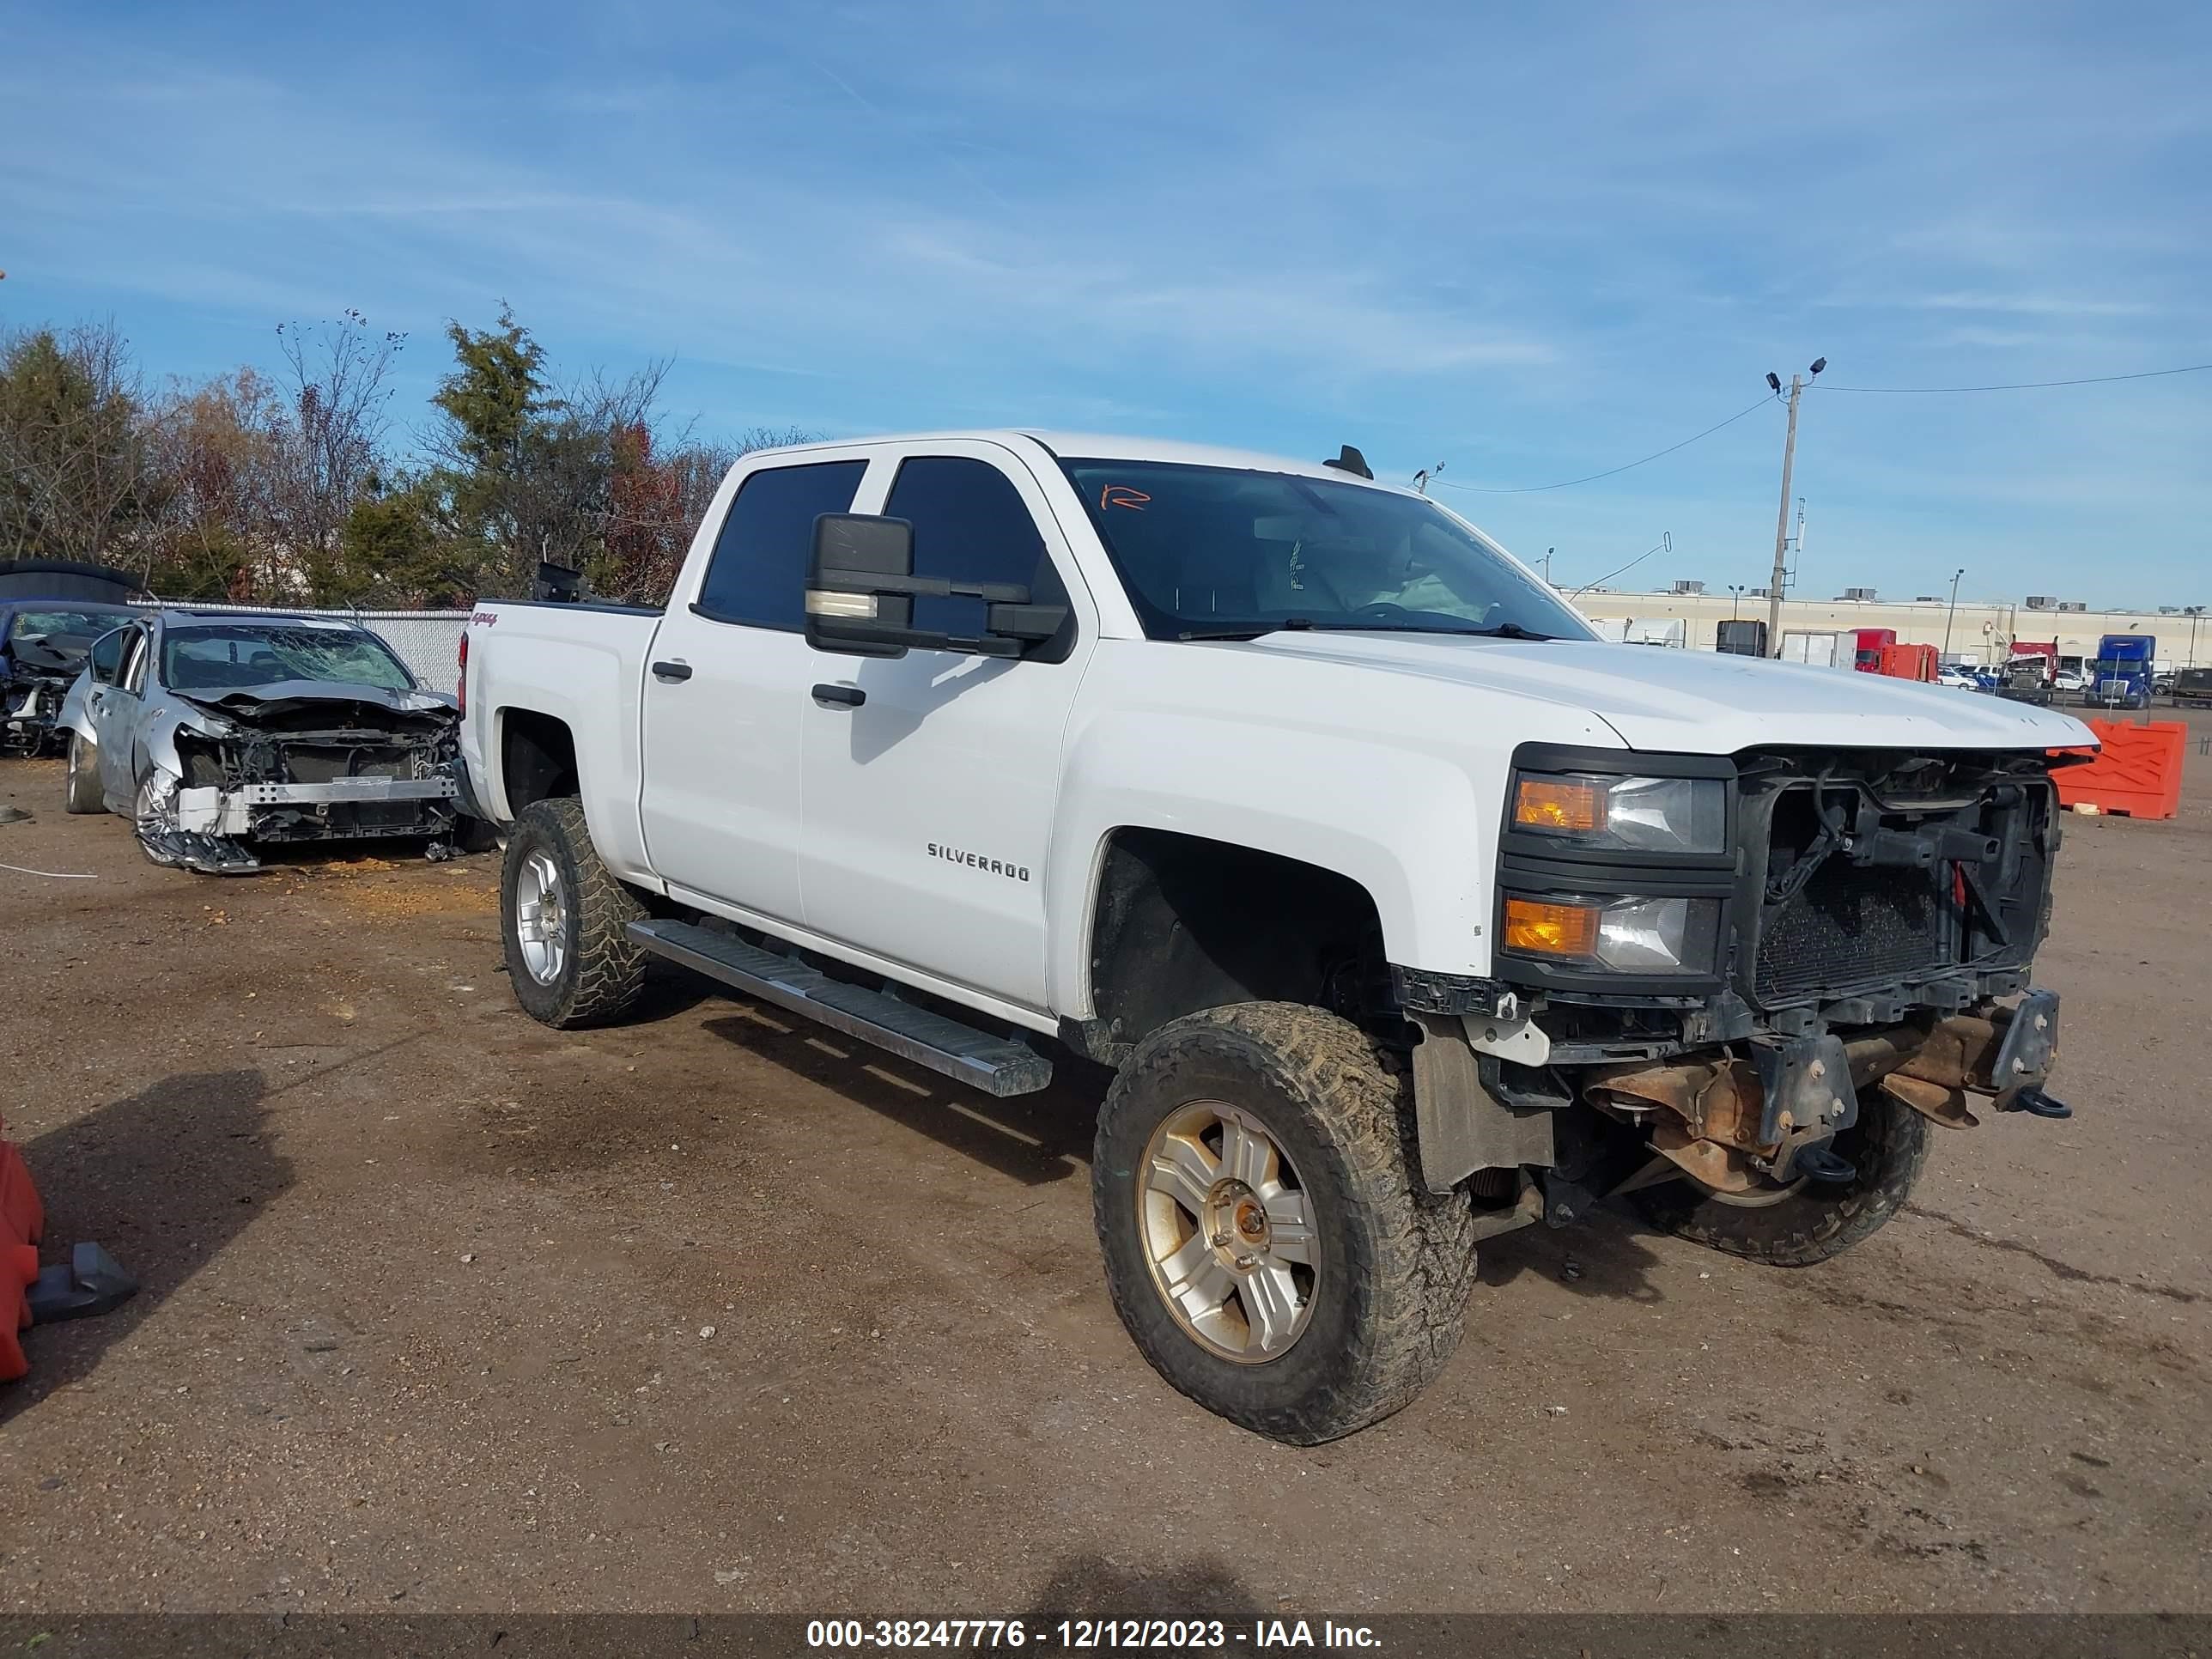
<point>496,412</point>
<point>75,474</point>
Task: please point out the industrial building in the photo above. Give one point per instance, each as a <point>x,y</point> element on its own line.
<point>1974,631</point>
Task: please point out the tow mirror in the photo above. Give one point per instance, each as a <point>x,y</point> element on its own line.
<point>861,589</point>
<point>851,605</point>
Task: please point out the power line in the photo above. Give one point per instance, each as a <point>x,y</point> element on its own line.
<point>1531,489</point>
<point>2025,386</point>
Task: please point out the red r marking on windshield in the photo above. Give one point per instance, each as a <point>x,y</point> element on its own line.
<point>1123,495</point>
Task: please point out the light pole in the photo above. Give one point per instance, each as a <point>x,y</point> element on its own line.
<point>1950,613</point>
<point>1782,514</point>
<point>2193,611</point>
<point>1736,600</point>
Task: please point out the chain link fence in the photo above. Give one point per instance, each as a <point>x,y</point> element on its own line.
<point>428,641</point>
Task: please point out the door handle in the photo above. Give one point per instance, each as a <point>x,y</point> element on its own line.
<point>844,696</point>
<point>671,670</point>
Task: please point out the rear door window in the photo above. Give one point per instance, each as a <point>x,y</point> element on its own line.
<point>756,575</point>
<point>971,525</point>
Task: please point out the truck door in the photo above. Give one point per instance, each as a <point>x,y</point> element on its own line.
<point>725,684</point>
<point>929,798</point>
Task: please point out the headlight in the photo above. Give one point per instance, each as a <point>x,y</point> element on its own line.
<point>1628,935</point>
<point>1639,815</point>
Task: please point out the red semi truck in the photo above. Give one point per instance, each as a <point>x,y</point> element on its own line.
<point>1866,655</point>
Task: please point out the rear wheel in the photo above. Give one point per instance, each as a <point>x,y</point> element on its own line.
<point>1807,1221</point>
<point>1266,1243</point>
<point>565,920</point>
<point>81,789</point>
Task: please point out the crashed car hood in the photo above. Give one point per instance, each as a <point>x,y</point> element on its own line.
<point>282,699</point>
<point>1702,701</point>
<point>55,654</point>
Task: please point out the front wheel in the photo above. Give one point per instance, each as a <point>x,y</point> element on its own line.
<point>565,921</point>
<point>1809,1221</point>
<point>81,789</point>
<point>1266,1243</point>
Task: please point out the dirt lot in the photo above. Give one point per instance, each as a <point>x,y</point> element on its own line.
<point>446,1310</point>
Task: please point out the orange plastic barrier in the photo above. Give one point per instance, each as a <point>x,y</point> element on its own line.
<point>19,1267</point>
<point>22,1219</point>
<point>2137,772</point>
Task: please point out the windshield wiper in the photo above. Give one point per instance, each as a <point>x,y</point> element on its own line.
<point>1244,630</point>
<point>1502,631</point>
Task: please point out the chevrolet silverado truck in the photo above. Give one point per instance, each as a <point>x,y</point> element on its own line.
<point>1404,909</point>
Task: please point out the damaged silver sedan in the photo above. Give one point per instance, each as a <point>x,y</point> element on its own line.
<point>218,734</point>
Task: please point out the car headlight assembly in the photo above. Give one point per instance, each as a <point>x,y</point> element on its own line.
<point>1624,935</point>
<point>1685,816</point>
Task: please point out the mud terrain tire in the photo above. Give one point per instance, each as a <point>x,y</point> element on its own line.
<point>601,969</point>
<point>1395,1263</point>
<point>1887,1145</point>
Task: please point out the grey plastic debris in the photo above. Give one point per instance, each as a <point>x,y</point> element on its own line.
<point>90,1282</point>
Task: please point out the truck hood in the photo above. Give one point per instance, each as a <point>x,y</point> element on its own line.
<point>1700,702</point>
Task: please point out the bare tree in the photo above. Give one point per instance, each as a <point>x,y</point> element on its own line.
<point>326,438</point>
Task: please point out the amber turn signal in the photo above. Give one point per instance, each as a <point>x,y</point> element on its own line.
<point>1550,930</point>
<point>1560,803</point>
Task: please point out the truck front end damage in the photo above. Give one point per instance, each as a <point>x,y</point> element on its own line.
<point>251,771</point>
<point>1714,971</point>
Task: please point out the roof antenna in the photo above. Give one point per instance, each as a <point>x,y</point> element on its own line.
<point>1351,460</point>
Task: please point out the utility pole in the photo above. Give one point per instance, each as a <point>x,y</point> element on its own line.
<point>1950,613</point>
<point>1782,513</point>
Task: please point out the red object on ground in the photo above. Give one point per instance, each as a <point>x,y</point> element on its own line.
<point>22,1222</point>
<point>2137,772</point>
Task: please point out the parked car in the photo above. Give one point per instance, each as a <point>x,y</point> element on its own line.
<point>217,733</point>
<point>1959,679</point>
<point>51,609</point>
<point>43,647</point>
<point>1406,909</point>
<point>2070,679</point>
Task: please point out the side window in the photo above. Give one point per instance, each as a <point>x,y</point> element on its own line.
<point>107,654</point>
<point>971,525</point>
<point>757,572</point>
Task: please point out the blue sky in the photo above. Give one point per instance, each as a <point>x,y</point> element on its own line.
<point>1528,243</point>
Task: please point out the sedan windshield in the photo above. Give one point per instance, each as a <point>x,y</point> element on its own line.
<point>1215,552</point>
<point>71,624</point>
<point>241,657</point>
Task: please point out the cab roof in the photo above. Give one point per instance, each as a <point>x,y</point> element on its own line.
<point>1089,446</point>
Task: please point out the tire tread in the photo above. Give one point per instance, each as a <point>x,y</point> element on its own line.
<point>1356,1097</point>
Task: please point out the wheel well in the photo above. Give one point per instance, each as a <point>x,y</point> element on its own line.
<point>537,758</point>
<point>1183,923</point>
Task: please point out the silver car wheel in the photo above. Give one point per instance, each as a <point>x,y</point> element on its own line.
<point>1228,1233</point>
<point>541,918</point>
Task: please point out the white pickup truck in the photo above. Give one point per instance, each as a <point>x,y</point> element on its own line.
<point>1407,911</point>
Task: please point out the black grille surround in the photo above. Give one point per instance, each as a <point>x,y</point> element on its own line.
<point>1799,943</point>
<point>1847,927</point>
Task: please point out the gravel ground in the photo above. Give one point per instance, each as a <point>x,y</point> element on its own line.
<point>443,1310</point>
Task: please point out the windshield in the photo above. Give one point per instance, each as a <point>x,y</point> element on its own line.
<point>1207,550</point>
<point>76,625</point>
<point>241,656</point>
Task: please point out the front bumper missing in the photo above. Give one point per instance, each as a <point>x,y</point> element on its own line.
<point>216,811</point>
<point>199,829</point>
<point>1729,1121</point>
